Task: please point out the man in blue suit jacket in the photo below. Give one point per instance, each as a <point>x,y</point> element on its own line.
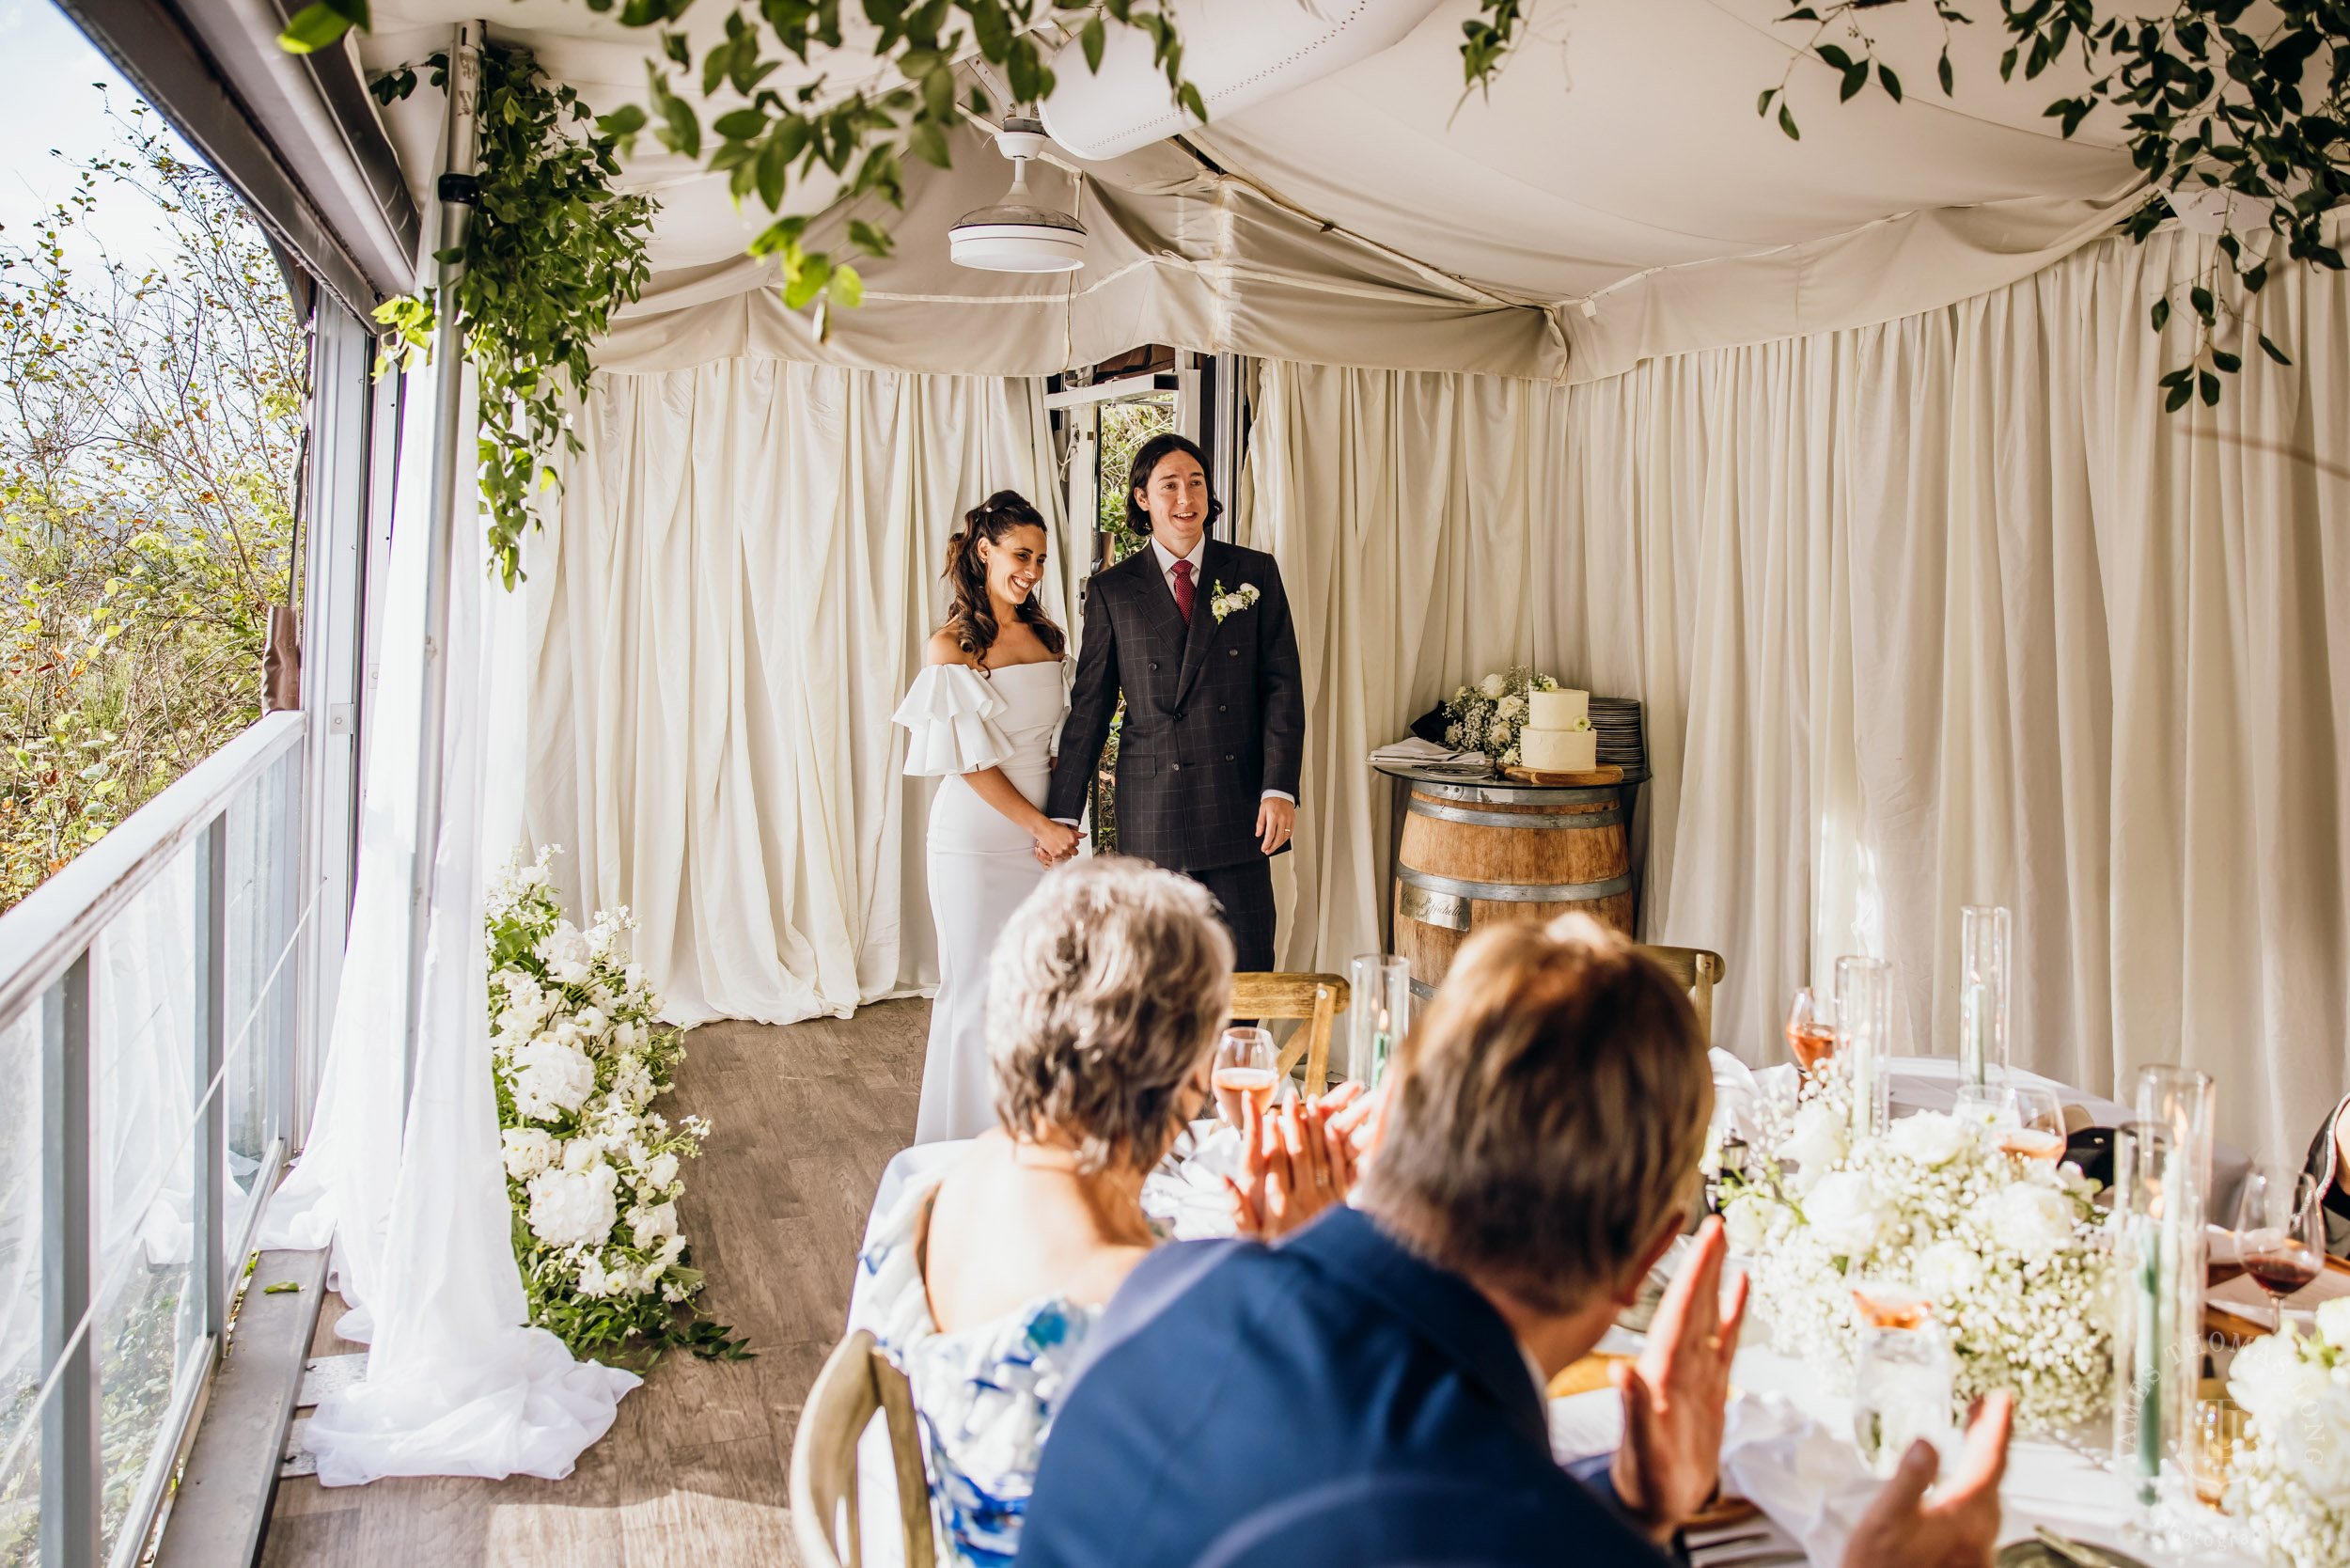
<point>1370,1391</point>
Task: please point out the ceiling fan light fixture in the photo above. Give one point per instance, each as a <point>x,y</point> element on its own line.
<point>1016,235</point>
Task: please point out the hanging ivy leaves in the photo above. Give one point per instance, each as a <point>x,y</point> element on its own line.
<point>864,139</point>
<point>553,250</point>
<point>2259,118</point>
<point>859,136</point>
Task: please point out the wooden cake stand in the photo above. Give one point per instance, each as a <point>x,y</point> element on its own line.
<point>1604,774</point>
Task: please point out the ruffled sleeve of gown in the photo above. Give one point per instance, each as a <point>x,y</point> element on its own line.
<point>950,716</point>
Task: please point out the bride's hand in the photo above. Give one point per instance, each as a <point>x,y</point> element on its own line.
<point>1055,841</point>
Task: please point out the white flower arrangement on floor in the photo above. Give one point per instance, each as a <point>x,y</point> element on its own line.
<point>1490,716</point>
<point>2290,1479</point>
<point>2006,1248</point>
<point>591,1170</point>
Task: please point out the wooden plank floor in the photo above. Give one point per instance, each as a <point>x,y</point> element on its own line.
<point>693,1471</point>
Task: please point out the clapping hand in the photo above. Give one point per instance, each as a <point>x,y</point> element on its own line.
<point>1296,1166</point>
<point>1350,1129</point>
<point>1674,1396</point>
<point>1959,1529</point>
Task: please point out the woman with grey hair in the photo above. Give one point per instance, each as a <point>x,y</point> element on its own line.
<point>1105,993</point>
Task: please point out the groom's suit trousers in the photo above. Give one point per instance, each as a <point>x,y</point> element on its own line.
<point>1245,894</point>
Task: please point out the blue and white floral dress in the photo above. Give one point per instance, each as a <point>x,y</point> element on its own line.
<point>983,1395</point>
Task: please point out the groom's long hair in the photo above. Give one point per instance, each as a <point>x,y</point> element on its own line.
<point>972,620</point>
<point>1147,462</point>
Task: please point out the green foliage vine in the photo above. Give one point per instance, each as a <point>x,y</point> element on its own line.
<point>551,251</point>
<point>2219,95</point>
<point>862,138</point>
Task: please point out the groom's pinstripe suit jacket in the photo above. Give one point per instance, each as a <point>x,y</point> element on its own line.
<point>1216,714</point>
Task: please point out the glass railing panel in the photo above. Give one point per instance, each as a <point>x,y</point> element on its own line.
<point>260,974</point>
<point>145,1047</point>
<point>19,1290</point>
<point>184,967</point>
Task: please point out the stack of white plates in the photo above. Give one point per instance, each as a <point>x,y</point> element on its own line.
<point>1617,721</point>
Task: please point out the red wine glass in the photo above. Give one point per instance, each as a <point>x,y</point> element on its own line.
<point>2281,1233</point>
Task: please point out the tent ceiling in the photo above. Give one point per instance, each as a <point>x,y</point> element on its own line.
<point>1624,137</point>
<point>1618,158</point>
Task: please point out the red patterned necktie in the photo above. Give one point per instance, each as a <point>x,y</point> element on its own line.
<point>1184,589</point>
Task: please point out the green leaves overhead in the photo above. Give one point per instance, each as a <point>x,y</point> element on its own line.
<point>1486,42</point>
<point>859,136</point>
<point>2206,105</point>
<point>2261,121</point>
<point>551,251</point>
<point>858,141</point>
<point>314,27</point>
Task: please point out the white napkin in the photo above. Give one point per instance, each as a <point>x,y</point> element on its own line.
<point>1729,1073</point>
<point>1415,752</point>
<point>1585,1424</point>
<point>1809,1483</point>
<point>1186,1192</point>
<point>1733,1076</point>
<point>1808,1478</point>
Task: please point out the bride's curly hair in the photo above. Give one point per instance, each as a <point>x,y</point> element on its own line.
<point>972,622</point>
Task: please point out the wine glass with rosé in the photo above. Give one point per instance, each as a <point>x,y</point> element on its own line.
<point>1246,1070</point>
<point>1903,1378</point>
<point>1810,1029</point>
<point>2037,1131</point>
<point>2281,1233</point>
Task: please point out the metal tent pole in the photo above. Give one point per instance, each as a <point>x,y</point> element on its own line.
<point>451,466</point>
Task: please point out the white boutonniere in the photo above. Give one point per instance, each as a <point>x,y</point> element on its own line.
<point>1224,604</point>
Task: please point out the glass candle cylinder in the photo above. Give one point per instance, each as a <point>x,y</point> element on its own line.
<point>1378,1013</point>
<point>1984,937</point>
<point>2183,1105</point>
<point>2143,1378</point>
<point>1864,1027</point>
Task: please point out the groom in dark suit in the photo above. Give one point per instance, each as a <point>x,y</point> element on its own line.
<point>1196,632</point>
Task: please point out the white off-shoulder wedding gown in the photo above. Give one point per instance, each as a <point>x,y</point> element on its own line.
<point>981,865</point>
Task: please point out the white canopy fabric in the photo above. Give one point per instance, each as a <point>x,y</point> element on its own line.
<point>410,1189</point>
<point>1940,612</point>
<point>1615,198</point>
<point>728,599</point>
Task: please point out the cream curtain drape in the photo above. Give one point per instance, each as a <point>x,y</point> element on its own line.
<point>1937,612</point>
<point>727,602</point>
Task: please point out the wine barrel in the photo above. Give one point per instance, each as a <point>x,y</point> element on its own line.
<point>1475,854</point>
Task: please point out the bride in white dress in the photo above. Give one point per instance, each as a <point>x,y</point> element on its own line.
<point>984,713</point>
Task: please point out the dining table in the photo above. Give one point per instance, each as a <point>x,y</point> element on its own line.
<point>1787,1445</point>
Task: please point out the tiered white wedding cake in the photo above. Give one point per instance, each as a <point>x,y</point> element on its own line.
<point>1558,737</point>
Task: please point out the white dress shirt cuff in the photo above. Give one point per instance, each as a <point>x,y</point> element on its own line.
<point>1280,795</point>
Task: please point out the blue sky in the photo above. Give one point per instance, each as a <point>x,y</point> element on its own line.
<point>52,105</point>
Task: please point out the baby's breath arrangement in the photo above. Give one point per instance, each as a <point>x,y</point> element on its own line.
<point>2006,1247</point>
<point>2290,1479</point>
<point>1490,716</point>
<point>591,1170</point>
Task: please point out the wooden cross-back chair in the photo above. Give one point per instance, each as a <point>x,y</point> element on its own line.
<point>856,1381</point>
<point>1699,970</point>
<point>1296,994</point>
